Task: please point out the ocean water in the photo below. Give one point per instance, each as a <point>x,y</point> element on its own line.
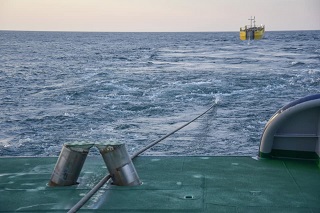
<point>61,87</point>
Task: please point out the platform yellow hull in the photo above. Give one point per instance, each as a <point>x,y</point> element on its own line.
<point>251,34</point>
<point>243,35</point>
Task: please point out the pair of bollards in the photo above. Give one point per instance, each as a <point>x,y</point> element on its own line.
<point>115,156</point>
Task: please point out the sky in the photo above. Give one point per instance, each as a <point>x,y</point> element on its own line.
<point>157,15</point>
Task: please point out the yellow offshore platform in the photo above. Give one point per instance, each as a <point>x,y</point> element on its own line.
<point>252,32</point>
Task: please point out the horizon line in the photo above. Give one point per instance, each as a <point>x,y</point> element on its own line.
<point>80,31</point>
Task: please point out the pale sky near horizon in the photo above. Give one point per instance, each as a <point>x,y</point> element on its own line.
<point>157,15</point>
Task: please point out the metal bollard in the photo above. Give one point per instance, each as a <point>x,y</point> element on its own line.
<point>119,164</point>
<point>69,164</point>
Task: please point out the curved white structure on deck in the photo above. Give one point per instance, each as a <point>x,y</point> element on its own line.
<point>294,131</point>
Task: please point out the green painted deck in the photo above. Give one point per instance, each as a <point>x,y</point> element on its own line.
<point>170,184</point>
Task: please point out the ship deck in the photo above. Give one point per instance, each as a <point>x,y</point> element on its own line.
<point>170,184</point>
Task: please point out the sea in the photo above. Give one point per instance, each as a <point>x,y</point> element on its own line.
<point>134,88</point>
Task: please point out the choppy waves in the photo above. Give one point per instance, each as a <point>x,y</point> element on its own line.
<point>137,87</point>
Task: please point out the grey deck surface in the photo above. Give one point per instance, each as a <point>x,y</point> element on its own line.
<point>170,184</point>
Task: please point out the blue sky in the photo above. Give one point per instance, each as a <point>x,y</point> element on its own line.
<point>157,15</point>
